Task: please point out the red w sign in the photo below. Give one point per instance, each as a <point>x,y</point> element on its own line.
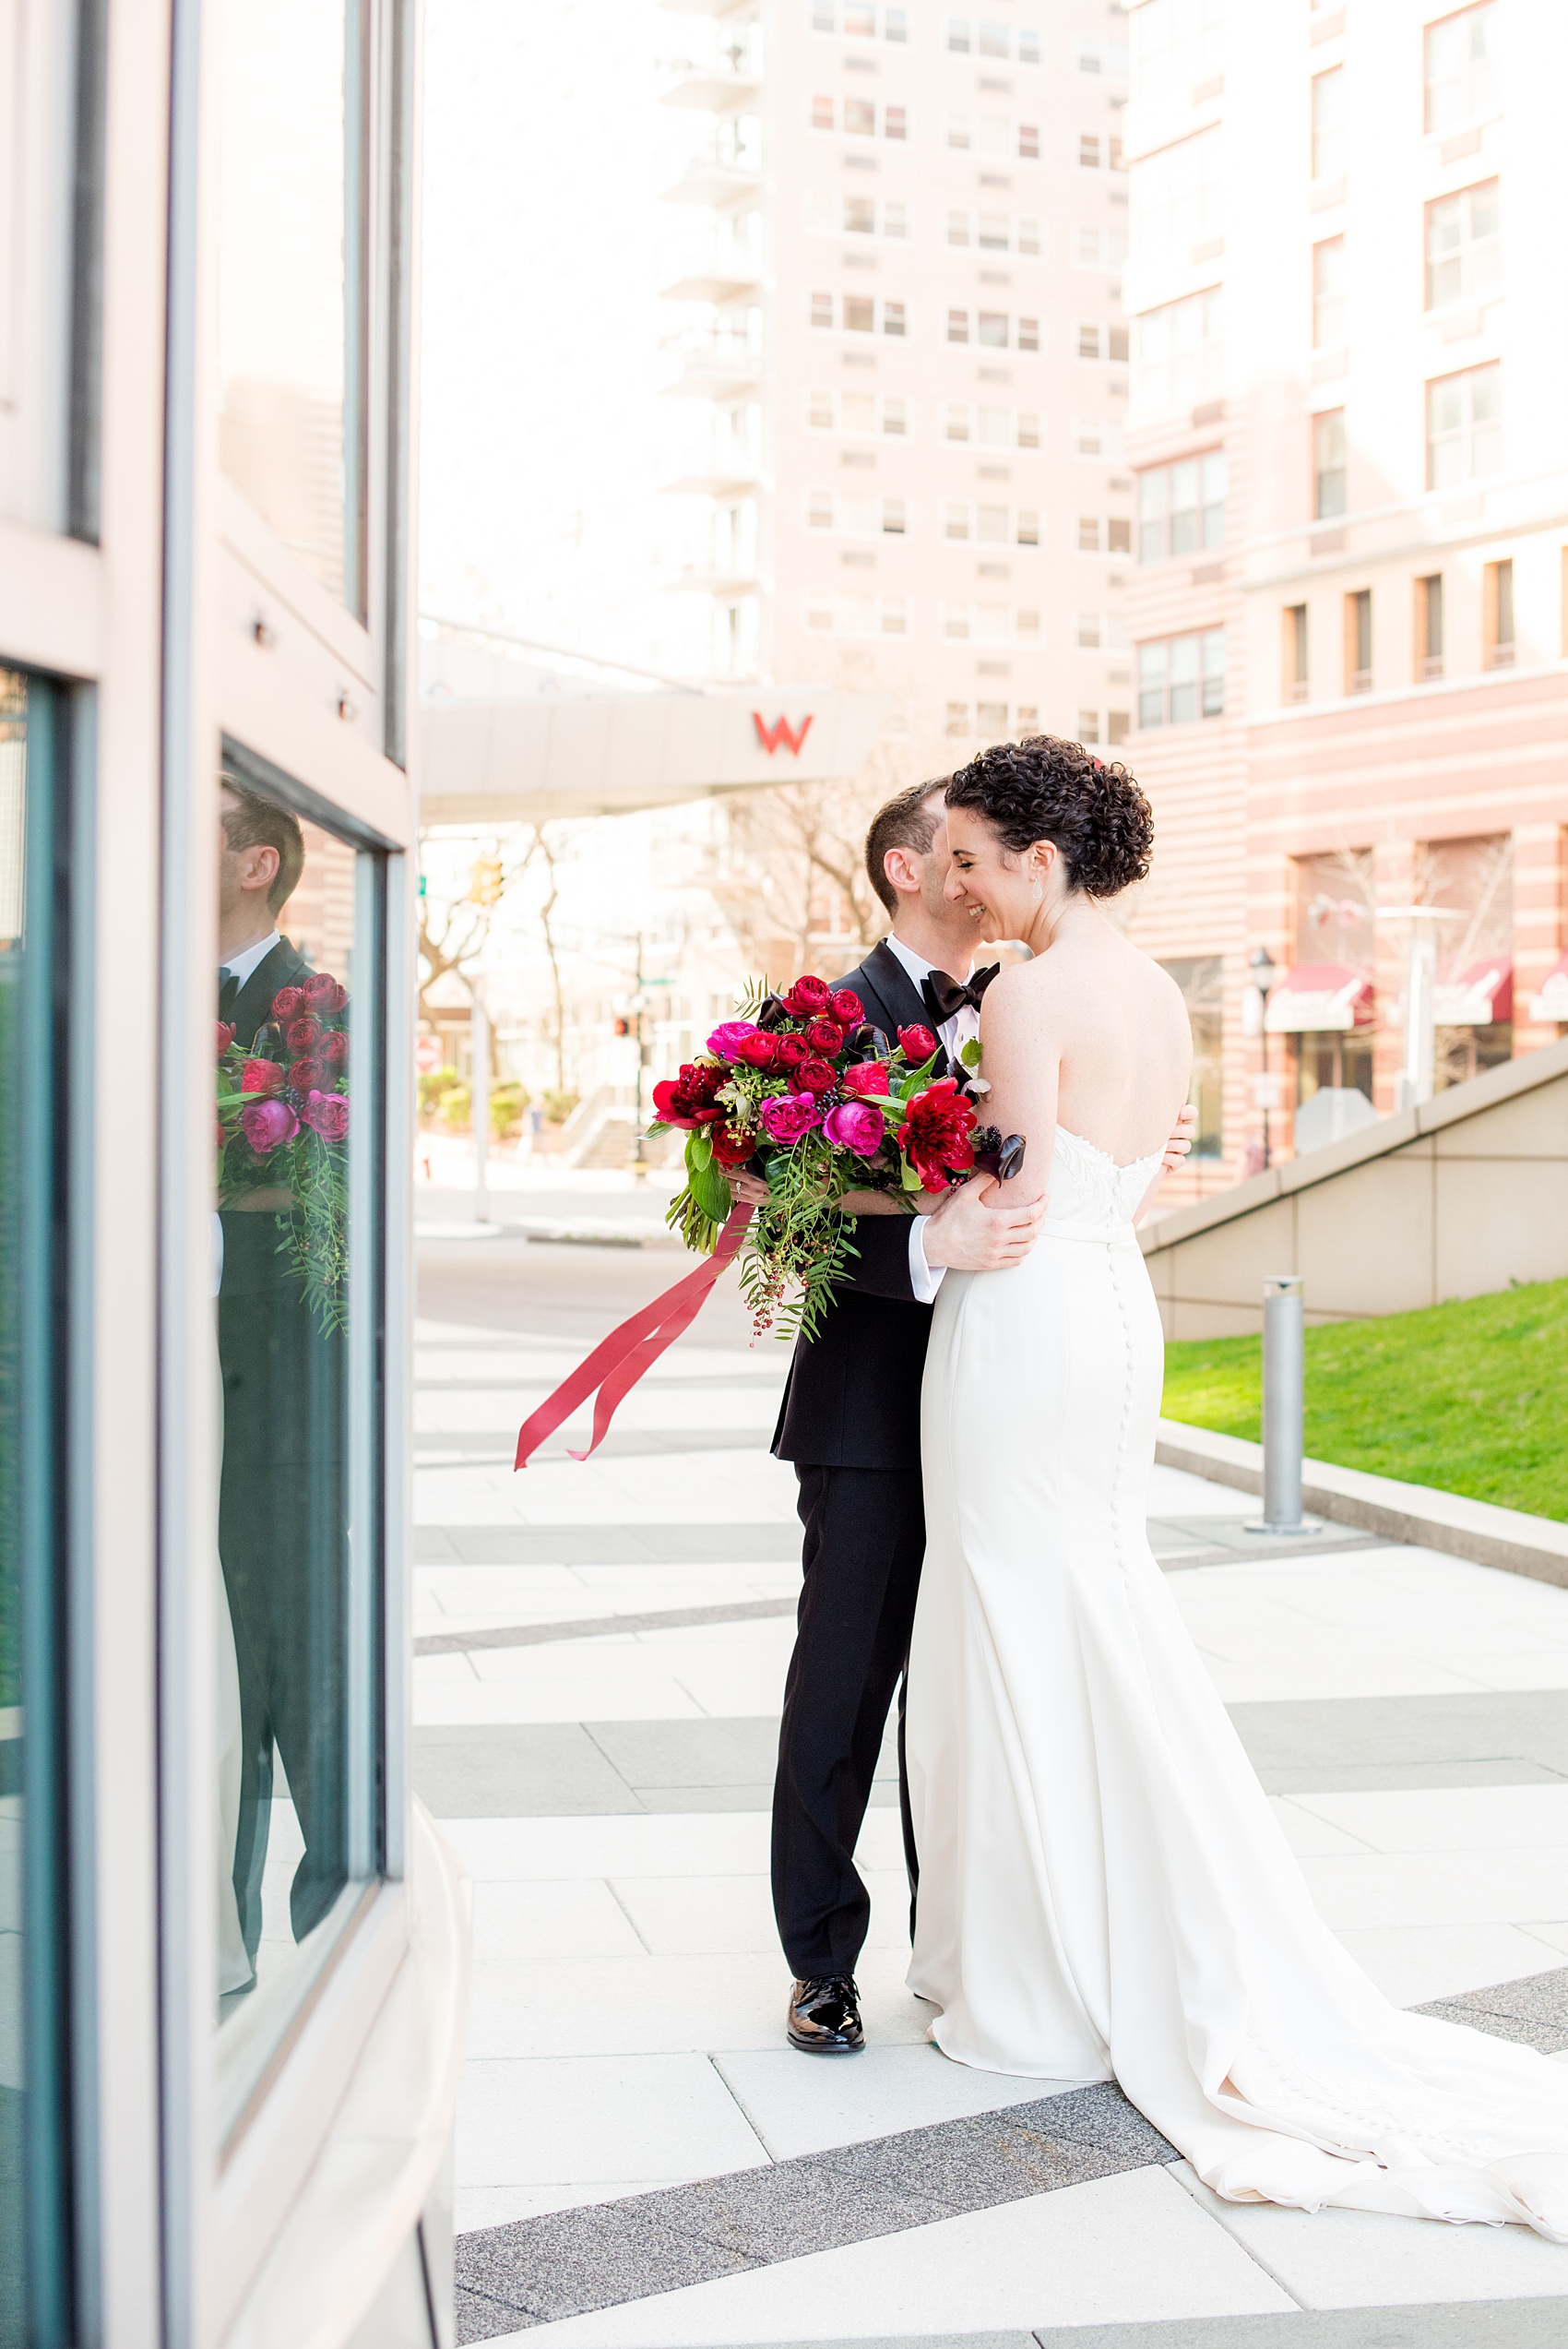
<point>781,732</point>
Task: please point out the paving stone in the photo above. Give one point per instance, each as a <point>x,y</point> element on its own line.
<point>606,1544</point>
<point>1464,2324</point>
<point>600,2255</point>
<point>1534,2013</point>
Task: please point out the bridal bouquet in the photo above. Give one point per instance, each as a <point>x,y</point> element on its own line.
<point>800,1090</point>
<point>283,1132</point>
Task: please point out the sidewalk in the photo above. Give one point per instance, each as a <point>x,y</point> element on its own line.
<point>641,2159</point>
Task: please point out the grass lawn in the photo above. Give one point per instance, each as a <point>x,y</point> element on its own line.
<point>1470,1396</point>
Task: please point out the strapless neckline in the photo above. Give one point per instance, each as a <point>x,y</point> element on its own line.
<point>1122,1166</point>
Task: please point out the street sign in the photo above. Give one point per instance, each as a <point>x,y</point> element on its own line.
<point>427,1056</point>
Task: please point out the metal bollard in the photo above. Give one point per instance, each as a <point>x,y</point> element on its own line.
<point>1282,1409</point>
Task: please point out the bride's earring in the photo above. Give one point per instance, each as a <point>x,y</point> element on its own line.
<point>1036,890</point>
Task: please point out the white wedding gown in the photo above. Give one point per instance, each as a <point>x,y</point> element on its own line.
<point>1104,1891</point>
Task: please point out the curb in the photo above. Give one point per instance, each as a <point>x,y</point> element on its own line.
<point>1507,1538</point>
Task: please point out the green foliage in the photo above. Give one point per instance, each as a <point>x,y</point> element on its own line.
<point>507,1103</point>
<point>558,1106</point>
<point>434,1090</point>
<point>456,1105</point>
<point>1469,1398</point>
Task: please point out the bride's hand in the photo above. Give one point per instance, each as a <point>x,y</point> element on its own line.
<point>868,1204</point>
<point>1181,1141</point>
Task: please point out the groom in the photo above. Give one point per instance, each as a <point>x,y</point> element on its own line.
<point>850,1422</point>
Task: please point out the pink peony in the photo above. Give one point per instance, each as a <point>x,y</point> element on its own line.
<point>868,1078</point>
<point>268,1124</point>
<point>789,1117</point>
<point>727,1038</point>
<point>328,1113</point>
<point>854,1127</point>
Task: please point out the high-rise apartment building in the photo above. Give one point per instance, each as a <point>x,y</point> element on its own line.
<point>906,332</point>
<point>1348,446</point>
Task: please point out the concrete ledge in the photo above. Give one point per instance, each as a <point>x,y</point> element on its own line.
<point>1508,1538</point>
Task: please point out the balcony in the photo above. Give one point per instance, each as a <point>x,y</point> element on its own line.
<point>720,290</point>
<point>713,364</point>
<point>722,172</point>
<point>713,89</point>
<point>740,483</point>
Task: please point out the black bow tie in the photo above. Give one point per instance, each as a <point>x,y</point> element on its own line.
<point>943,996</point>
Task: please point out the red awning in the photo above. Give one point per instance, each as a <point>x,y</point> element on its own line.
<point>1478,996</point>
<point>1316,995</point>
<point>1552,1001</point>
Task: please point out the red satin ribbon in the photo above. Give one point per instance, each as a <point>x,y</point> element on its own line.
<point>619,1361</point>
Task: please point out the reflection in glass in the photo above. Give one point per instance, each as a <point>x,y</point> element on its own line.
<point>290,284</point>
<point>33,2177</point>
<point>298,1534</point>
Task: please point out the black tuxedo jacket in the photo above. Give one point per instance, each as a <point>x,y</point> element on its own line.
<point>853,1395</point>
<point>284,967</point>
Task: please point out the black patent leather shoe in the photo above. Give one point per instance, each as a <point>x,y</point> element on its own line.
<point>825,2016</point>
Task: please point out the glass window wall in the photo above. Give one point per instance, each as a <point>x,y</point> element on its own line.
<point>297,1284</point>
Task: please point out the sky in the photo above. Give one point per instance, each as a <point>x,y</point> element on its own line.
<point>544,433</point>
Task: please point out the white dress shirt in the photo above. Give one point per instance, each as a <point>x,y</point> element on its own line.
<point>251,958</point>
<point>963,1026</point>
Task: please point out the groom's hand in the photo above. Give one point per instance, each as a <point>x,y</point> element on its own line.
<point>1181,1141</point>
<point>976,1229</point>
<point>749,1190</point>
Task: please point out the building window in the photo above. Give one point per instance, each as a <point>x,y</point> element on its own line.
<point>823,113</point>
<point>859,117</point>
<point>991,330</point>
<point>955,423</point>
<point>1182,508</point>
<point>1098,248</point>
<point>1118,726</point>
<point>955,521</point>
<point>859,314</point>
<point>1088,534</point>
<point>822,312</point>
<point>1178,198</point>
<point>1464,245</point>
<point>1029,334</point>
<point>1463,426</point>
<point>894,318</point>
<point>1296,686</point>
<point>1098,151</point>
<point>1176,45</point>
<point>859,216</point>
<point>1181,678</point>
<point>1029,142</point>
<point>894,421</point>
<point>1028,430</point>
<point>895,122</point>
<point>955,622</point>
<point>1329,293</point>
<point>1181,353</point>
<point>1428,627</point>
<point>1329,124</point>
<point>819,509</point>
<point>1498,614</point>
<point>1359,641</point>
<point>895,220</point>
<point>820,417</point>
<point>1329,468</point>
<point>990,525</point>
<point>1202,982</point>
<point>1461,68</point>
<point>991,720</point>
<point>1089,728</point>
<point>958,719</point>
<point>1029,718</point>
<point>1095,342</point>
<point>1026,526</point>
<point>894,517</point>
<point>958,325</point>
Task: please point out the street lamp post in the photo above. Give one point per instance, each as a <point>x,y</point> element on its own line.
<point>1265,974</point>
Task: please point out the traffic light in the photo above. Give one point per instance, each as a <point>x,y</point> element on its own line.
<point>623,1027</point>
<point>486,881</point>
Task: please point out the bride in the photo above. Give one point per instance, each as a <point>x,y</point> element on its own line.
<point>1104,1891</point>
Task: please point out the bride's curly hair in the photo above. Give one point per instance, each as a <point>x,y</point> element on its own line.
<point>1045,789</point>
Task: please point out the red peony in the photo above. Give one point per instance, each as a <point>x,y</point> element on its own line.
<point>300,1034</point>
<point>791,1051</point>
<point>731,1149</point>
<point>758,1050</point>
<point>688,1100</point>
<point>322,994</point>
<point>261,1077</point>
<point>328,1113</point>
<point>309,1074</point>
<point>225,1037</point>
<point>847,1007</point>
<point>867,1080</point>
<point>286,1002</point>
<point>816,1076</point>
<point>808,998</point>
<point>825,1037</point>
<point>334,1048</point>
<point>918,1043</point>
<point>935,1132</point>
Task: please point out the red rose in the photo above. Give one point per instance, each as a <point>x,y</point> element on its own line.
<point>309,1075</point>
<point>808,997</point>
<point>790,1051</point>
<point>287,1002</point>
<point>823,1037</point>
<point>334,1048</point>
<point>300,1034</point>
<point>688,1100</point>
<point>322,994</point>
<point>731,1149</point>
<point>847,1007</point>
<point>261,1077</point>
<point>816,1076</point>
<point>225,1037</point>
<point>918,1043</point>
<point>757,1051</point>
<point>935,1132</point>
<point>867,1080</point>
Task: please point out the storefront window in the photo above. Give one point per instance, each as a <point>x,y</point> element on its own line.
<point>291,279</point>
<point>297,1276</point>
<point>34,2198</point>
<point>1201,981</point>
<point>1472,879</point>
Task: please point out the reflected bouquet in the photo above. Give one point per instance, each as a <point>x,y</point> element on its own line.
<point>801,1090</point>
<point>282,1134</point>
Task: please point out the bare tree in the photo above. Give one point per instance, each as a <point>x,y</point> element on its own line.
<point>453,933</point>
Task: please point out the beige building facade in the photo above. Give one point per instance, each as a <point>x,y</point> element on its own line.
<point>904,350</point>
<point>1350,472</point>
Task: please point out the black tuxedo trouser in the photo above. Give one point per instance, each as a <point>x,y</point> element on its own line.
<point>864,1541</point>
